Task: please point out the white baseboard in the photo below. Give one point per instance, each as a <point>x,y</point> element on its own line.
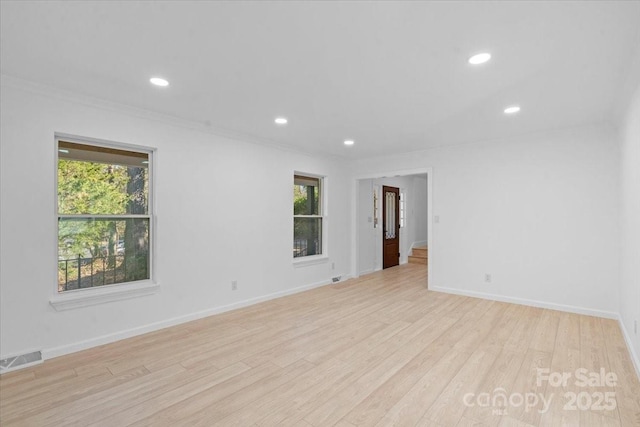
<point>367,271</point>
<point>627,338</point>
<point>106,339</point>
<point>529,302</point>
<point>50,353</point>
<point>552,306</point>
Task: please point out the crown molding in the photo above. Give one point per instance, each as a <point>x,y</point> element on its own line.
<point>142,113</point>
<point>604,124</point>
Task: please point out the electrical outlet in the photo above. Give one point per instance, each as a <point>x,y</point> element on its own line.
<point>635,327</point>
<point>436,219</point>
<point>333,265</point>
<point>487,278</point>
<point>234,285</point>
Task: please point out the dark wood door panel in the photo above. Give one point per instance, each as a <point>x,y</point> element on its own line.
<point>390,226</point>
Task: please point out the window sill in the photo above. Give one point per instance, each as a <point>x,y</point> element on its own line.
<point>310,260</point>
<point>87,297</point>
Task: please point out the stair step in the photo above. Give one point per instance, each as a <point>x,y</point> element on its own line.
<point>420,252</point>
<point>418,255</point>
<point>417,260</point>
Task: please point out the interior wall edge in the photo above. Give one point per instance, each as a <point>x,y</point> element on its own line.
<point>629,343</point>
<point>529,302</point>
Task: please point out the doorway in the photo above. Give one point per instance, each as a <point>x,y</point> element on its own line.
<point>390,226</point>
<point>415,218</point>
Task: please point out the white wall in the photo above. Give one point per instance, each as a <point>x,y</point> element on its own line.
<point>224,212</point>
<point>630,224</point>
<point>539,213</point>
<point>368,239</point>
<point>415,229</point>
<point>419,208</point>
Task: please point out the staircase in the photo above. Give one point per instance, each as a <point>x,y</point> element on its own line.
<point>418,255</point>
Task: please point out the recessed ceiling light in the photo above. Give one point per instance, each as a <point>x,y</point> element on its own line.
<point>158,81</point>
<point>349,142</point>
<point>62,150</point>
<point>479,58</point>
<point>281,120</point>
<point>512,109</point>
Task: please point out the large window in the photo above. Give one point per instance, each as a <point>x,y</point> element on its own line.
<point>307,216</point>
<point>104,218</point>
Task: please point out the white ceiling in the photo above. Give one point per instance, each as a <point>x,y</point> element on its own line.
<point>391,75</point>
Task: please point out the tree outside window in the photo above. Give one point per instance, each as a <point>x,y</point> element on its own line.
<point>307,216</point>
<point>103,216</point>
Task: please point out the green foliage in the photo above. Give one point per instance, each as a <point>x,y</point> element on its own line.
<point>118,247</point>
<point>302,205</point>
<point>91,188</point>
<point>299,200</point>
<point>306,231</point>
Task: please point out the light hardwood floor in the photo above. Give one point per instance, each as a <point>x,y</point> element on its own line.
<point>375,351</point>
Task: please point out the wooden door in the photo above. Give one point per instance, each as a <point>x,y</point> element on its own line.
<point>390,226</point>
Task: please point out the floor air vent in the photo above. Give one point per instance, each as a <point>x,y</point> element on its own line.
<point>22,361</point>
<point>336,279</point>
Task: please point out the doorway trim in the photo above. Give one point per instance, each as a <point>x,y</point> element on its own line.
<point>355,234</point>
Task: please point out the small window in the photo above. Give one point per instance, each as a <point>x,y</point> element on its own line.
<point>104,215</point>
<point>376,205</point>
<point>307,216</point>
<point>403,213</point>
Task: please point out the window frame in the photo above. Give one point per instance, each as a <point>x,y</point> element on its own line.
<point>322,215</point>
<point>77,298</point>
